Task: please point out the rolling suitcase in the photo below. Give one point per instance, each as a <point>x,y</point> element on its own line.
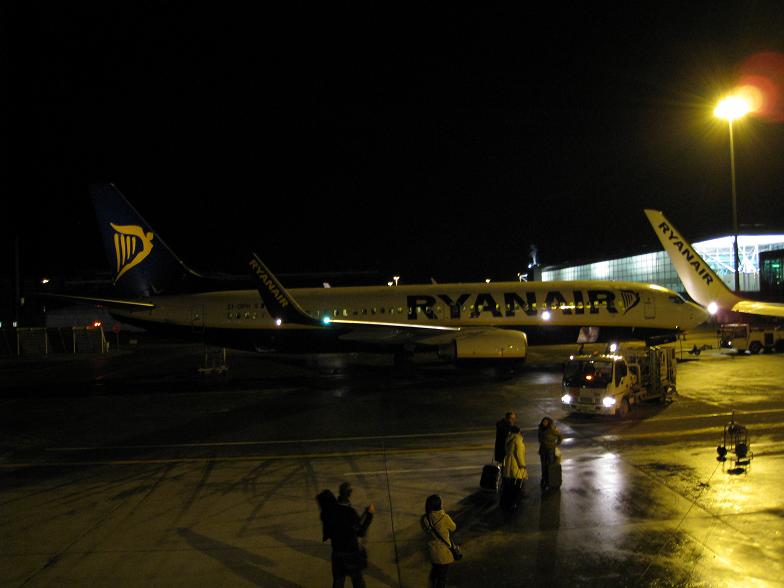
<point>491,477</point>
<point>554,475</point>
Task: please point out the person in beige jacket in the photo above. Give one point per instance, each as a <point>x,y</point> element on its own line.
<point>514,470</point>
<point>437,526</point>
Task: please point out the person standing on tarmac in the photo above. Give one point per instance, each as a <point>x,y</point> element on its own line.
<point>514,472</point>
<point>549,438</point>
<point>437,526</point>
<point>501,433</point>
<point>349,558</point>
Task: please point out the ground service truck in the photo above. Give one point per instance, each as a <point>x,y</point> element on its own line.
<point>610,384</point>
<point>744,337</point>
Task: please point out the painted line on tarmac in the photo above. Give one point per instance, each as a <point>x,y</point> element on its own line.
<point>689,433</point>
<point>253,458</point>
<point>719,414</point>
<point>281,442</point>
<point>410,471</point>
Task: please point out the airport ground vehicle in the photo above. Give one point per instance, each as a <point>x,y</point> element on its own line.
<point>610,384</point>
<point>752,338</point>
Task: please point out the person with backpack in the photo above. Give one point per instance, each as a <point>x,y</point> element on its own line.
<point>438,526</point>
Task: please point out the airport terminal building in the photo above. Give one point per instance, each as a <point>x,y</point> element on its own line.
<point>761,260</point>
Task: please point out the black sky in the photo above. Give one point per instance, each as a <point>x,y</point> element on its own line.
<point>421,143</point>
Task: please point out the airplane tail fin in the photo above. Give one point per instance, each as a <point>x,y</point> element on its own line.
<point>276,298</point>
<point>142,263</point>
<point>701,282</point>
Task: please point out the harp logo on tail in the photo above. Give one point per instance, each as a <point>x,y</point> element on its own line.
<point>131,245</point>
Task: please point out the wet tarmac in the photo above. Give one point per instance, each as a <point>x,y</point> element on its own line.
<point>133,469</point>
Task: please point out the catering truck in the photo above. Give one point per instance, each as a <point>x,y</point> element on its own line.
<point>611,383</point>
<point>744,337</point>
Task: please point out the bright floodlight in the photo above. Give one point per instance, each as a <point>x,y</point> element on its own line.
<point>731,108</point>
<point>713,308</point>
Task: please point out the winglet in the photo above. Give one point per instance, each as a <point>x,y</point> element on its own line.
<point>278,301</point>
<point>701,282</point>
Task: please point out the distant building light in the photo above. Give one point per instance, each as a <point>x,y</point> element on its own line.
<point>278,322</point>
<point>487,280</point>
<point>45,281</point>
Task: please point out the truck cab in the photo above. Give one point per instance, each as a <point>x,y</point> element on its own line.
<point>744,337</point>
<point>610,384</point>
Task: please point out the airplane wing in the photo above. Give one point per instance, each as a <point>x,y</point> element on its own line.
<point>107,302</point>
<point>763,308</point>
<point>701,282</point>
<point>282,306</point>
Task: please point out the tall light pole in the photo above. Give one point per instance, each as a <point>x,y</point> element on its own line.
<point>730,109</point>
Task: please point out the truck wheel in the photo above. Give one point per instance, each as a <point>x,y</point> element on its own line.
<point>755,347</point>
<point>623,411</point>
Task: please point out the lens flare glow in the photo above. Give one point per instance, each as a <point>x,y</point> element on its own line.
<point>762,84</point>
<point>732,108</point>
<point>713,308</point>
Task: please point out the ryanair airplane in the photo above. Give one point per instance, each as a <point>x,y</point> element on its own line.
<point>701,282</point>
<point>460,321</point>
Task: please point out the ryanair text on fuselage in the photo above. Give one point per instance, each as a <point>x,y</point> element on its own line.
<point>591,300</point>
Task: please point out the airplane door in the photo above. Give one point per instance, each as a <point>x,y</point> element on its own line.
<point>649,307</point>
<point>197,318</point>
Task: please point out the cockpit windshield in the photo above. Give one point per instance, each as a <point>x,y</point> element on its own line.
<point>588,373</point>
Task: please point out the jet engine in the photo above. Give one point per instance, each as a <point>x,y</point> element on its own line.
<point>493,344</point>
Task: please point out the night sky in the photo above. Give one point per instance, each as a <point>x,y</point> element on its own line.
<point>417,143</point>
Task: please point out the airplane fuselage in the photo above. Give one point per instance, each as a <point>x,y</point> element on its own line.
<point>530,307</point>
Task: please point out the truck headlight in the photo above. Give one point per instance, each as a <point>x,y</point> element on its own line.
<point>608,401</point>
<point>566,398</point>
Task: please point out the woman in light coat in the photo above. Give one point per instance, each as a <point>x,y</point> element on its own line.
<point>514,471</point>
<point>437,526</point>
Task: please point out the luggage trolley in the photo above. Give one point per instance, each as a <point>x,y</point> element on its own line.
<point>735,443</point>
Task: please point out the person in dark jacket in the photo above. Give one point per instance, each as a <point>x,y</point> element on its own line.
<point>549,438</point>
<point>501,433</point>
<point>346,527</point>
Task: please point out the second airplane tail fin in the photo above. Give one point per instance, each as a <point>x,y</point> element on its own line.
<point>142,263</point>
<point>701,282</point>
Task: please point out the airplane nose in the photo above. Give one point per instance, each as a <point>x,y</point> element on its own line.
<point>698,315</point>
